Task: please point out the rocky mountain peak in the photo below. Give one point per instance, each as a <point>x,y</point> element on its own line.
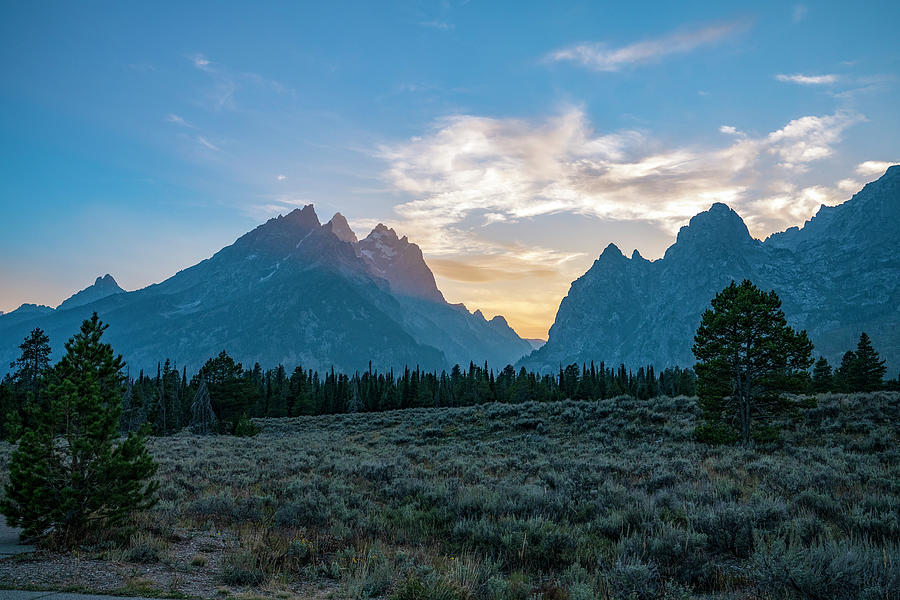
<point>611,252</point>
<point>102,287</point>
<point>400,262</point>
<point>107,282</point>
<point>305,217</point>
<point>718,226</point>
<point>341,229</point>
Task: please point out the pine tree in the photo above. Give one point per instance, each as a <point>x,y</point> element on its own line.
<point>846,378</point>
<point>747,356</point>
<point>822,379</point>
<point>29,382</point>
<point>870,370</point>
<point>67,477</point>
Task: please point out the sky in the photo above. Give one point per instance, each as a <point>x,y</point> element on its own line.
<point>512,141</point>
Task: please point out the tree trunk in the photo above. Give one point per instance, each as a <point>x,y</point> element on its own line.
<point>745,418</point>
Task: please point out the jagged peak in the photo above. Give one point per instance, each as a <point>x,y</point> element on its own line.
<point>339,226</point>
<point>305,217</point>
<point>611,251</point>
<point>719,222</point>
<point>499,320</point>
<point>106,281</point>
<point>381,230</point>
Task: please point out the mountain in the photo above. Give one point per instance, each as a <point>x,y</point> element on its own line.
<point>25,312</point>
<point>291,291</point>
<point>103,287</point>
<point>837,276</point>
<point>535,342</point>
<point>400,262</point>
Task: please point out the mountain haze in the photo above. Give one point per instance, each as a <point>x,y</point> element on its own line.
<point>837,276</point>
<point>291,291</point>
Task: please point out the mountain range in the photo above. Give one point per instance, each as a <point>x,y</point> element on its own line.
<point>837,276</point>
<point>291,291</point>
<point>294,291</point>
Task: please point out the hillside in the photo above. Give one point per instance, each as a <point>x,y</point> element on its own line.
<point>578,500</point>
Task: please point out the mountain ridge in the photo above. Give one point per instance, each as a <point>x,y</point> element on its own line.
<point>289,291</point>
<point>837,276</point>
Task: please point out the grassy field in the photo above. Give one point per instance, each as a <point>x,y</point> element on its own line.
<point>578,500</point>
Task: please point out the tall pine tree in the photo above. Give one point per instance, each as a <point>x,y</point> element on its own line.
<point>68,477</point>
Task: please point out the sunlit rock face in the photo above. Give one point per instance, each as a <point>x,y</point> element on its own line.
<point>291,291</point>
<point>837,276</point>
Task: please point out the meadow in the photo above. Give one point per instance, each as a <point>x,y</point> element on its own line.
<point>609,499</point>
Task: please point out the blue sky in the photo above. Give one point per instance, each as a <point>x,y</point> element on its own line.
<point>513,141</point>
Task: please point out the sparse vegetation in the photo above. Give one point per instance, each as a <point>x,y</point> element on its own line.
<point>571,499</point>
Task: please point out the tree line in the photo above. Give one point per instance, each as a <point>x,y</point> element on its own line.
<point>222,394</point>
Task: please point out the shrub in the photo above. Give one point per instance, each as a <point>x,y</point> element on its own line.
<point>630,578</point>
<point>145,549</point>
<point>716,434</point>
<point>240,568</point>
<point>245,427</point>
<point>415,589</point>
<point>830,569</point>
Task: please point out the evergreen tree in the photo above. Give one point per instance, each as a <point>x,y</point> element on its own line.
<point>67,475</point>
<point>870,370</point>
<point>747,356</point>
<point>822,378</point>
<point>29,383</point>
<point>847,376</point>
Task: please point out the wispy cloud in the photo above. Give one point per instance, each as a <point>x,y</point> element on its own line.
<point>173,118</point>
<point>807,79</point>
<point>799,13</point>
<point>201,62</point>
<point>601,57</point>
<point>226,82</point>
<point>442,25</point>
<point>207,144</point>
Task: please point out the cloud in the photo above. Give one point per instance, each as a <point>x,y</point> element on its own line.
<point>471,171</point>
<point>730,130</point>
<point>807,79</point>
<point>173,118</point>
<point>281,177</point>
<point>808,139</point>
<point>874,167</point>
<point>799,13</point>
<point>273,206</point>
<point>225,83</point>
<point>438,25</point>
<point>600,57</point>
<point>207,144</point>
<point>201,62</point>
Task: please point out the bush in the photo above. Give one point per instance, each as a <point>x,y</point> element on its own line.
<point>716,434</point>
<point>414,589</point>
<point>245,427</point>
<point>834,570</point>
<point>635,579</point>
<point>240,568</point>
<point>145,549</point>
